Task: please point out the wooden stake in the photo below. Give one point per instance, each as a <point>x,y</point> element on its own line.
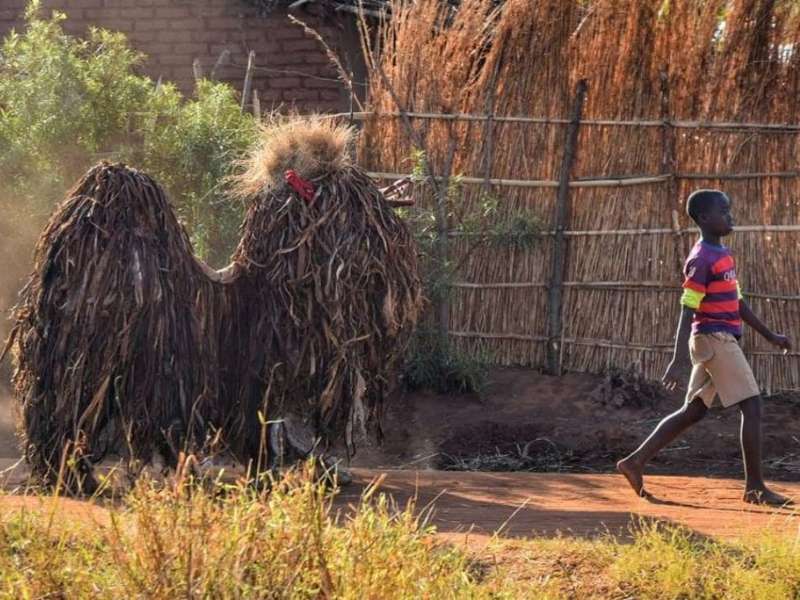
<point>248,78</point>
<point>222,60</point>
<point>555,296</point>
<point>197,69</point>
<point>256,106</point>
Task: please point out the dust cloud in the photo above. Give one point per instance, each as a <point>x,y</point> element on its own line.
<point>18,235</point>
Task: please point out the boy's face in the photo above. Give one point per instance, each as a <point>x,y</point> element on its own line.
<point>718,219</point>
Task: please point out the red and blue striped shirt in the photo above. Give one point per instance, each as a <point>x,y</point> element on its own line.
<point>711,289</point>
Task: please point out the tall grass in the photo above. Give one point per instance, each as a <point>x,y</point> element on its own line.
<point>230,541</point>
<point>212,540</point>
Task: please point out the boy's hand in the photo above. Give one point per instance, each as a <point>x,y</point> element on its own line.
<point>677,372</point>
<point>781,341</point>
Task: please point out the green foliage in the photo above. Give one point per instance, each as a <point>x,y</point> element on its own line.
<point>431,362</point>
<point>434,363</point>
<point>192,147</point>
<point>490,225</point>
<point>67,102</point>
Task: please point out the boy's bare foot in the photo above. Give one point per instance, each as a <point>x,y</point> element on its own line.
<point>766,496</point>
<point>634,474</point>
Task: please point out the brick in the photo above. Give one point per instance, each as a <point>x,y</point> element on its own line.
<point>139,37</point>
<point>263,95</point>
<point>95,4</point>
<point>265,50</point>
<point>174,12</point>
<point>177,59</point>
<point>112,24</point>
<point>188,24</point>
<point>174,36</point>
<point>331,94</point>
<point>216,49</point>
<point>310,82</point>
<point>159,49</point>
<point>284,82</point>
<point>289,32</point>
<point>300,94</point>
<point>134,14</point>
<point>227,23</point>
<point>288,60</point>
<point>190,48</point>
<point>151,25</point>
<point>208,11</point>
<point>315,58</point>
<point>300,45</point>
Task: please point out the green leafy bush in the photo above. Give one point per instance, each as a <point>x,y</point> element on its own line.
<point>67,102</point>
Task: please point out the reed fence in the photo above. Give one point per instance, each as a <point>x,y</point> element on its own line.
<point>639,122</point>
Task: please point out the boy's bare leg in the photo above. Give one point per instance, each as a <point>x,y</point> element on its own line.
<point>632,467</point>
<point>756,491</point>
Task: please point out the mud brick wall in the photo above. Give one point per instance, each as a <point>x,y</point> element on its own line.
<point>292,71</point>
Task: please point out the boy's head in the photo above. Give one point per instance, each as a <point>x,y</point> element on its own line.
<point>711,210</point>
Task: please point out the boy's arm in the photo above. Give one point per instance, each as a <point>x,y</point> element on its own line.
<point>679,367</point>
<point>781,341</point>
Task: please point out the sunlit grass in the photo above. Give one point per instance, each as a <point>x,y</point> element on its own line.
<point>214,540</point>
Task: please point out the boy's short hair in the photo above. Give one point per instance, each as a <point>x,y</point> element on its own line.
<point>700,201</point>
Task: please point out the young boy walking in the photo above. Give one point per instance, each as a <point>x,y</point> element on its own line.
<point>708,336</point>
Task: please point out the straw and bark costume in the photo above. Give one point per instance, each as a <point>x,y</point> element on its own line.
<point>126,344</point>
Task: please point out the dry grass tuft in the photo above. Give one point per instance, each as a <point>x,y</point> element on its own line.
<point>310,145</point>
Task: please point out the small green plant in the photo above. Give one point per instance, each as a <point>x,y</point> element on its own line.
<point>500,228</point>
<point>433,362</point>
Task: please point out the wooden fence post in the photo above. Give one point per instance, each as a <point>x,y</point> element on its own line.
<point>556,291</point>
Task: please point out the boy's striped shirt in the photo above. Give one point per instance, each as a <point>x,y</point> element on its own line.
<point>711,289</point>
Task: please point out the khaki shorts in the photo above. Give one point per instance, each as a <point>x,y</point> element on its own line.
<point>719,367</point>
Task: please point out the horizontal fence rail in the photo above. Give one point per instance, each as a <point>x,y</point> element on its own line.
<point>654,231</point>
<point>609,285</point>
<point>663,347</point>
<point>678,124</point>
<point>593,183</point>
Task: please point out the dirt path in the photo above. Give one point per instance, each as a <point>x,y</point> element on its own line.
<point>540,504</point>
<point>548,504</point>
<point>528,504</point>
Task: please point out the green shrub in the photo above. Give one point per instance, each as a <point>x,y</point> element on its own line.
<point>67,102</point>
<point>191,147</point>
<point>434,363</point>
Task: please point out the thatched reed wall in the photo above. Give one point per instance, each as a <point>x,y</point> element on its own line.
<point>665,70</point>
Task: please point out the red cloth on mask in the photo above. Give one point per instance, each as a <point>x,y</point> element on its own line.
<point>303,187</point>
